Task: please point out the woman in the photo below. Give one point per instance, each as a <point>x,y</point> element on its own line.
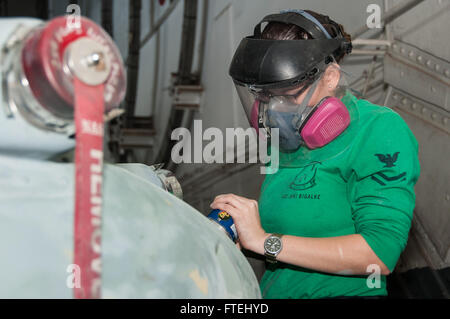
<point>336,215</point>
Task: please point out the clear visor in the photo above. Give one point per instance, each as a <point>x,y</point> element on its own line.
<point>249,103</point>
<point>259,104</point>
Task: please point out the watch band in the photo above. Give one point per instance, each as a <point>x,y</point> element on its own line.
<point>270,257</point>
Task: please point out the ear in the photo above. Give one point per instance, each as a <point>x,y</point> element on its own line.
<point>331,77</point>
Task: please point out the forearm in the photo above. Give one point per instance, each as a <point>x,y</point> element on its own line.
<point>347,255</point>
<point>338,255</point>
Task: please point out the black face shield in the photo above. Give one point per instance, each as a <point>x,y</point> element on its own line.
<point>269,64</point>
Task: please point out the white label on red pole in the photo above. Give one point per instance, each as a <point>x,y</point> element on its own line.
<point>89,105</point>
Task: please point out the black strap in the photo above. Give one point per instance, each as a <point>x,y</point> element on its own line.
<point>305,24</point>
<point>292,18</point>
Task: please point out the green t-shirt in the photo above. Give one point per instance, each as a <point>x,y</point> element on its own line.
<point>368,189</point>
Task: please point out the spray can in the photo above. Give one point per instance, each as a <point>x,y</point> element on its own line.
<point>224,221</point>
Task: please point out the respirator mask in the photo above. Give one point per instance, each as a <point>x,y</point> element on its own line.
<point>299,122</point>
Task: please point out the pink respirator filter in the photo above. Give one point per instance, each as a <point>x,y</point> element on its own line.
<point>329,120</point>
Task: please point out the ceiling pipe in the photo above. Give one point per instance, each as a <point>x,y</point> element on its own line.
<point>184,77</point>
<point>107,17</point>
<point>160,22</point>
<point>132,61</point>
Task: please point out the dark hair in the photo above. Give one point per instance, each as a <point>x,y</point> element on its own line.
<point>284,31</point>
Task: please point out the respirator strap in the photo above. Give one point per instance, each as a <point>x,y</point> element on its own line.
<point>297,120</point>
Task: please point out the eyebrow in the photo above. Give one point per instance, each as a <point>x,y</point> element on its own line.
<point>279,92</point>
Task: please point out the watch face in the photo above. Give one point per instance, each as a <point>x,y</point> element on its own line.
<point>273,245</point>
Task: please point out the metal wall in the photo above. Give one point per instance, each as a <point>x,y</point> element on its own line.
<point>417,69</point>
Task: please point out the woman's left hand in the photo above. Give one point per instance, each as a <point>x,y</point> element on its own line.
<point>246,218</point>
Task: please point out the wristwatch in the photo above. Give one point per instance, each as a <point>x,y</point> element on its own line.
<point>272,247</point>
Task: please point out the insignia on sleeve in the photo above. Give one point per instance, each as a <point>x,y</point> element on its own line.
<point>389,161</point>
